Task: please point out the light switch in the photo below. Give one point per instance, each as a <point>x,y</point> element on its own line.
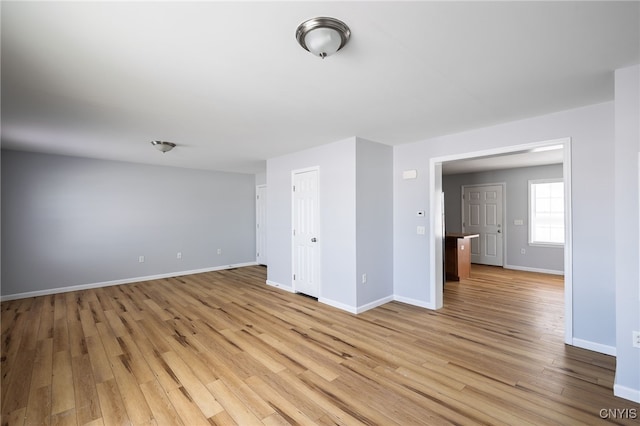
<point>421,230</point>
<point>518,222</point>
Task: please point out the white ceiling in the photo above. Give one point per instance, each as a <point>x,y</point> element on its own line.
<point>229,84</point>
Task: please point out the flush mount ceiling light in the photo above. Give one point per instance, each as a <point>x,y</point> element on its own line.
<point>323,36</point>
<point>163,145</point>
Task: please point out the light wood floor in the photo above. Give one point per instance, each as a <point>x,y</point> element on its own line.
<point>225,348</point>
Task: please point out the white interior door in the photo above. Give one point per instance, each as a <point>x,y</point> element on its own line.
<point>306,253</point>
<point>261,224</point>
<point>482,214</point>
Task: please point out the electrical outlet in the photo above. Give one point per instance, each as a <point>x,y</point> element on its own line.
<point>523,251</point>
<point>140,259</point>
<point>219,251</point>
<point>364,278</point>
<point>636,339</point>
<point>179,255</point>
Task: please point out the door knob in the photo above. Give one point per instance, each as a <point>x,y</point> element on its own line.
<point>314,239</point>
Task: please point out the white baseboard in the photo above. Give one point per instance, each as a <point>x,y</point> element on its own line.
<point>528,269</point>
<point>280,286</point>
<point>354,309</point>
<point>596,347</point>
<point>414,302</point>
<point>339,305</point>
<point>627,393</point>
<point>119,282</point>
<point>374,304</point>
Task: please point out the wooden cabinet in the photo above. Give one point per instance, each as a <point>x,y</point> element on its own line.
<point>457,255</point>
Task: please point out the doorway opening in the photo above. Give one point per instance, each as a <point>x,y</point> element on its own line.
<point>437,215</point>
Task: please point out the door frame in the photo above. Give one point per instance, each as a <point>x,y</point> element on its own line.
<point>435,191</point>
<point>504,212</point>
<point>319,229</point>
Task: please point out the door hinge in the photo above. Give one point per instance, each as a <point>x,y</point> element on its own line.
<point>257,197</point>
<point>294,188</point>
<point>294,277</point>
<point>294,232</point>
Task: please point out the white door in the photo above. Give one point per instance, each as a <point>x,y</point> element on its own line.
<point>261,224</point>
<point>482,214</point>
<point>306,252</point>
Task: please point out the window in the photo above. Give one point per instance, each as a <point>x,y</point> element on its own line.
<point>546,212</point>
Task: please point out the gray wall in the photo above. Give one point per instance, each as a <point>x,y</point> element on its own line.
<point>591,130</point>
<point>337,239</point>
<point>69,221</point>
<point>545,259</point>
<point>356,227</point>
<point>627,230</point>
<point>374,221</point>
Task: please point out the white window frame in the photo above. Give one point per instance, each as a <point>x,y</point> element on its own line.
<point>531,213</point>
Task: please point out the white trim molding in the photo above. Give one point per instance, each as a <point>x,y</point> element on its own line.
<point>593,346</point>
<point>626,393</point>
<point>280,286</point>
<point>119,282</point>
<point>414,302</point>
<point>528,269</point>
<point>339,305</point>
<point>374,304</point>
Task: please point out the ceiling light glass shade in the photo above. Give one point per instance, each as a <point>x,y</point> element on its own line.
<point>323,36</point>
<point>323,42</point>
<point>163,145</point>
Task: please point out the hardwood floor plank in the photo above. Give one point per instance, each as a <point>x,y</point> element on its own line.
<point>134,360</point>
<point>42,364</point>
<point>86,397</point>
<point>111,404</point>
<point>99,360</point>
<point>234,406</point>
<point>65,418</point>
<point>134,401</point>
<point>192,385</point>
<point>39,406</point>
<point>163,411</point>
<point>280,404</point>
<point>19,381</point>
<point>62,386</point>
<point>224,348</point>
<point>188,411</point>
<point>16,417</point>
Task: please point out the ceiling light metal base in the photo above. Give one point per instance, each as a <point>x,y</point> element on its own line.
<point>323,23</point>
<point>163,146</point>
